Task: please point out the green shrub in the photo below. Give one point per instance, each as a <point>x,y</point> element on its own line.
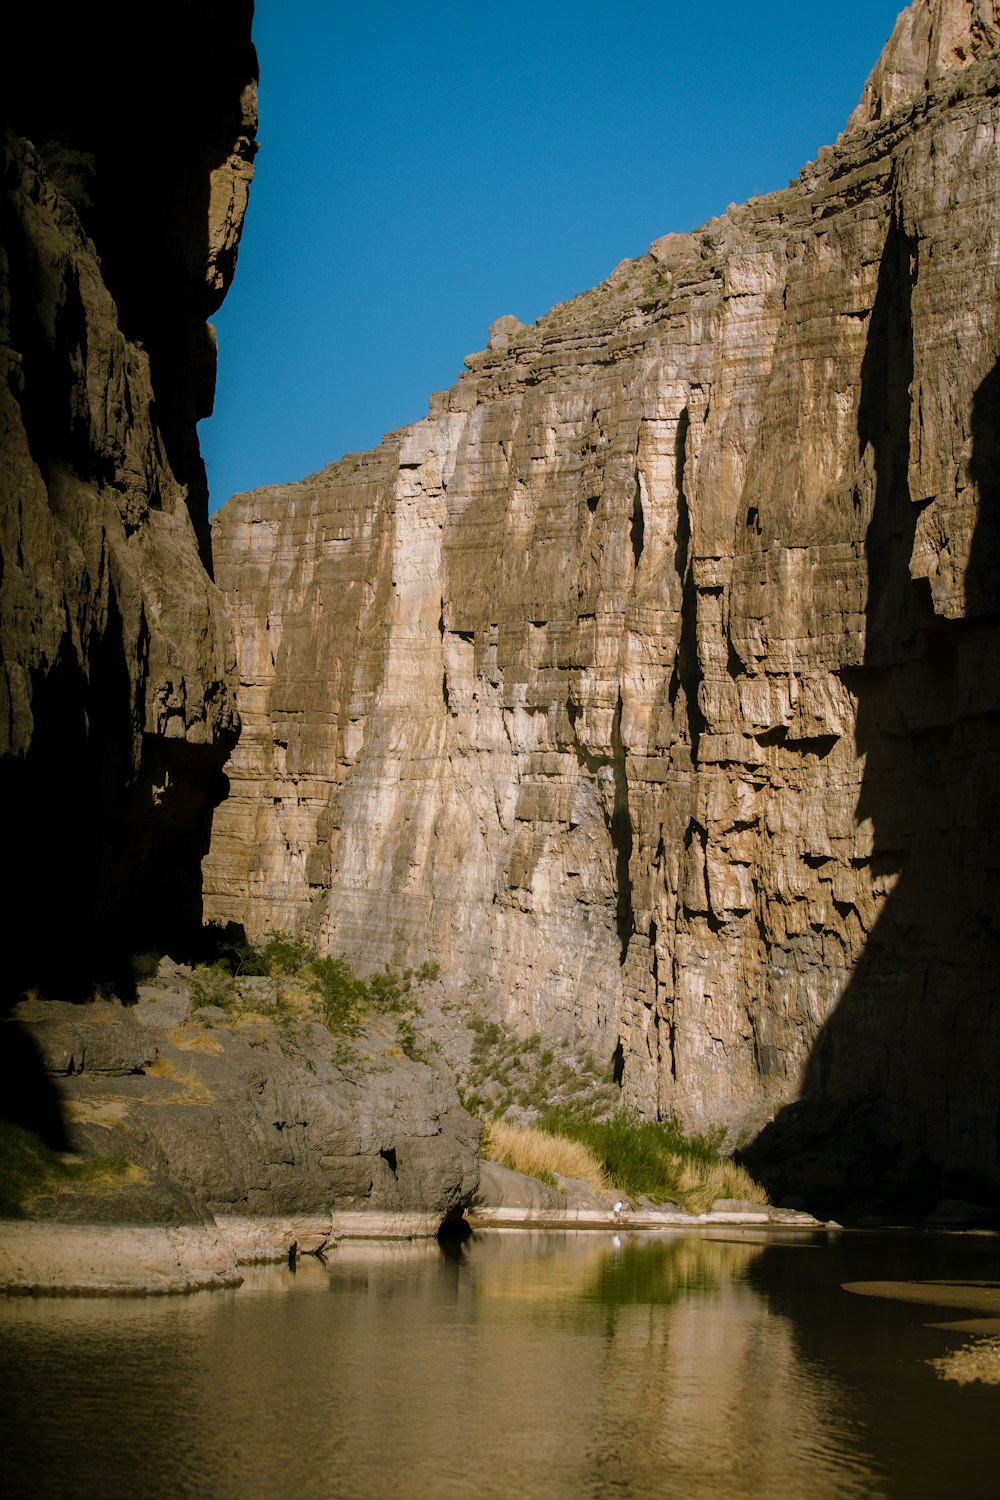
<point>325,985</point>
<point>282,954</point>
<point>212,985</point>
<point>145,966</point>
<point>342,996</point>
<point>228,946</point>
<point>506,1069</point>
<point>411,1043</point>
<point>385,990</point>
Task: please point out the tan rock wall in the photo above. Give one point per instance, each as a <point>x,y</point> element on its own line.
<point>650,678</point>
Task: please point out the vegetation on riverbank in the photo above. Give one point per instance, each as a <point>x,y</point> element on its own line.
<point>549,1111</point>
<point>30,1170</point>
<point>648,1159</point>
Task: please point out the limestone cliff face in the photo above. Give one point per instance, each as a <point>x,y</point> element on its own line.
<point>652,677</point>
<point>117,709</point>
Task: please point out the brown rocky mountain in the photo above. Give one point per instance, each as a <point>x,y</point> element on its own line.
<point>652,678</point>
<point>125,173</point>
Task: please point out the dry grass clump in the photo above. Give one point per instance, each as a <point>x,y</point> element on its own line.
<point>538,1153</point>
<point>194,1089</point>
<point>193,1038</point>
<point>978,1361</point>
<point>697,1184</point>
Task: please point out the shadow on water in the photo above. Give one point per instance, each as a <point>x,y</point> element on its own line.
<point>901,1094</point>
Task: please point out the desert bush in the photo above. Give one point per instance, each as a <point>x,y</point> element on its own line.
<point>386,989</point>
<point>282,955</point>
<point>145,966</point>
<point>508,1072</point>
<point>70,170</point>
<point>325,988</point>
<point>212,985</point>
<point>342,996</point>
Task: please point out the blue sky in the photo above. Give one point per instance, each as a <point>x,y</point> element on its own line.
<point>425,168</point>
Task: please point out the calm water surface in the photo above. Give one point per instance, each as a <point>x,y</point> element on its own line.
<point>522,1365</point>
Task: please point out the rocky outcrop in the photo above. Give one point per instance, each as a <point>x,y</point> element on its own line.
<point>257,1118</point>
<point>930,38</point>
<point>236,1139</point>
<point>119,222</point>
<point>651,679</point>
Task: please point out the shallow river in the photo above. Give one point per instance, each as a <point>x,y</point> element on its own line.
<point>521,1365</point>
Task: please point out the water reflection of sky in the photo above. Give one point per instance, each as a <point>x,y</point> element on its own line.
<point>524,1365</point>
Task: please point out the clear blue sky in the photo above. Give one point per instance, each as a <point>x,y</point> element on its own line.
<point>425,168</point>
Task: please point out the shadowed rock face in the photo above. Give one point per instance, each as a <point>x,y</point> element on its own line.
<point>653,676</point>
<point>257,1119</point>
<point>116,702</point>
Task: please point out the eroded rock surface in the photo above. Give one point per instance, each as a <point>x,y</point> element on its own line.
<point>247,1120</point>
<point>652,678</point>
<point>117,708</point>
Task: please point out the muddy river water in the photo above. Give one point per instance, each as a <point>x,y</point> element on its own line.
<point>519,1365</point>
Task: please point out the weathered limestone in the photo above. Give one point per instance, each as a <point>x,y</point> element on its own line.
<point>113,1259</point>
<point>651,679</point>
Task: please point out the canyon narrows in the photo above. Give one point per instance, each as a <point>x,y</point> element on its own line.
<point>651,680</point>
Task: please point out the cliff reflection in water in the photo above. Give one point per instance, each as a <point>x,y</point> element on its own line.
<point>685,1382</point>
<point>522,1365</point>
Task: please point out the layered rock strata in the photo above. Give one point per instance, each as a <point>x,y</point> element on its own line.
<point>116,693</point>
<point>651,679</point>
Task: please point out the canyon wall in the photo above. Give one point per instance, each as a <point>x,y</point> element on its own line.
<point>125,167</point>
<point>651,680</point>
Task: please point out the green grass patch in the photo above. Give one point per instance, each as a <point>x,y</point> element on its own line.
<point>29,1170</point>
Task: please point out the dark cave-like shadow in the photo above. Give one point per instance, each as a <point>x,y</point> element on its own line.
<point>901,1098</point>
<point>28,1096</point>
